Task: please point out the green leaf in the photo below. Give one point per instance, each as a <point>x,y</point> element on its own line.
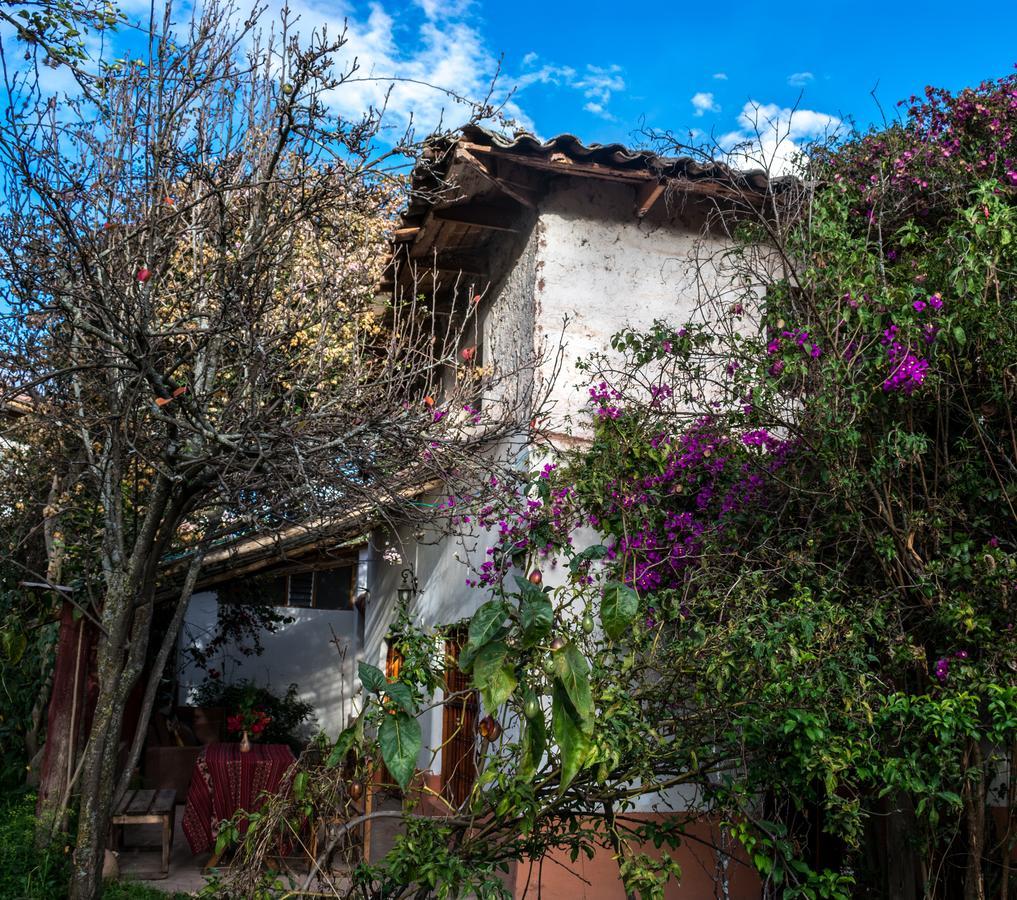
<point>573,744</point>
<point>597,551</point>
<point>959,335</point>
<point>535,615</point>
<point>484,625</point>
<point>14,644</point>
<point>343,745</point>
<point>400,694</point>
<point>494,674</point>
<point>618,608</point>
<point>400,741</point>
<point>372,678</point>
<point>534,743</point>
<point>300,785</point>
<point>572,674</point>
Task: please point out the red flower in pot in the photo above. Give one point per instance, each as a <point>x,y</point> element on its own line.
<point>248,721</point>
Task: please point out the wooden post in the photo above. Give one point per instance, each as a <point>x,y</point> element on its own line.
<point>66,707</point>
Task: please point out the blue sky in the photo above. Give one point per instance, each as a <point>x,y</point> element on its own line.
<point>604,70</point>
<point>600,70</point>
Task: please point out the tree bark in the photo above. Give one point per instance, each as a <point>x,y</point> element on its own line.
<point>158,667</point>
<point>974,802</point>
<point>98,769</point>
<point>900,869</point>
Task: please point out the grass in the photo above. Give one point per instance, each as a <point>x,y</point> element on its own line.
<point>27,873</point>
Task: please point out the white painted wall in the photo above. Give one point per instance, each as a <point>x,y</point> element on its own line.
<point>605,269</point>
<point>300,653</point>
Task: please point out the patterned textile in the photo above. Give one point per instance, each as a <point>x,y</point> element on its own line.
<point>225,780</point>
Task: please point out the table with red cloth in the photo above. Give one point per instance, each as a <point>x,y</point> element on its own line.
<point>225,780</point>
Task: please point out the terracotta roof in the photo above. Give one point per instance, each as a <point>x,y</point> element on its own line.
<point>474,183</point>
<point>566,149</point>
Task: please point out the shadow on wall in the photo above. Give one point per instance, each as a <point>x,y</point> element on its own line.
<point>300,652</point>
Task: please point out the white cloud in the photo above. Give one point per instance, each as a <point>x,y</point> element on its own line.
<point>410,59</point>
<point>599,82</point>
<point>415,58</point>
<point>770,137</point>
<point>800,79</point>
<point>443,9</point>
<point>410,62</point>
<point>596,83</point>
<point>598,110</point>
<point>704,103</point>
<point>720,76</point>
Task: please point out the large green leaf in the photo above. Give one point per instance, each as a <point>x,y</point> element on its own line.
<point>573,744</point>
<point>534,743</point>
<point>494,674</point>
<point>572,673</point>
<point>484,625</point>
<point>14,644</point>
<point>400,742</point>
<point>401,695</point>
<point>618,608</point>
<point>372,678</point>
<point>343,745</point>
<point>535,615</point>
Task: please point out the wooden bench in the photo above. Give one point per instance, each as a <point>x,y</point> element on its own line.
<point>147,808</point>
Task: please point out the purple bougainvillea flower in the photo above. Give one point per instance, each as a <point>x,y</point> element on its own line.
<point>942,669</point>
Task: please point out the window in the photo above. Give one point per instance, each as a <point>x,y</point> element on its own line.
<point>316,589</point>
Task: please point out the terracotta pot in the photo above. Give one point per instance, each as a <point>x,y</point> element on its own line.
<point>245,743</point>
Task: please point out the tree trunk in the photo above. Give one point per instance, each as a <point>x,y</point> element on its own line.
<point>117,668</point>
<point>900,869</point>
<point>65,710</point>
<point>158,667</point>
<point>974,802</point>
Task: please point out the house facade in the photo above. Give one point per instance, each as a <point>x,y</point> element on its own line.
<point>564,245</point>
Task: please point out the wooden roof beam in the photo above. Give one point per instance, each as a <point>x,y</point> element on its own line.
<point>515,192</point>
<point>493,217</point>
<point>647,196</point>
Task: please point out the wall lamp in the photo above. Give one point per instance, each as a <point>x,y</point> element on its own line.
<point>408,586</point>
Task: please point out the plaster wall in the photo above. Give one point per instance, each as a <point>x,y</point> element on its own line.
<point>603,269</point>
<point>301,652</point>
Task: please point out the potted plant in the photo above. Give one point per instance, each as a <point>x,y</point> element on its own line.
<point>248,721</point>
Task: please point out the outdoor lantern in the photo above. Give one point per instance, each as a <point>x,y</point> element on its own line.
<point>408,586</point>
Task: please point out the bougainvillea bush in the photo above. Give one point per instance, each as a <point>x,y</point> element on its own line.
<point>800,605</point>
<point>815,504</point>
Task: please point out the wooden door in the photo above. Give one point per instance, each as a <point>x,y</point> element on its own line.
<point>459,728</point>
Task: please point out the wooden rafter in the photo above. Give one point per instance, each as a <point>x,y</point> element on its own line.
<point>521,196</point>
<point>490,216</point>
<point>647,196</point>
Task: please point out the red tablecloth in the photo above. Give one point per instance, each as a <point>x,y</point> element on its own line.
<point>225,780</point>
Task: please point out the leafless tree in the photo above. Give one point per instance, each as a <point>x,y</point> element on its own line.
<point>191,246</point>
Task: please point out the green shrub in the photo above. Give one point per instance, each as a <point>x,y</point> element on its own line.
<point>134,890</point>
<point>27,873</point>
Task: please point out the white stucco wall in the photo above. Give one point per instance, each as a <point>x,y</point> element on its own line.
<point>605,269</point>
<point>301,652</point>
